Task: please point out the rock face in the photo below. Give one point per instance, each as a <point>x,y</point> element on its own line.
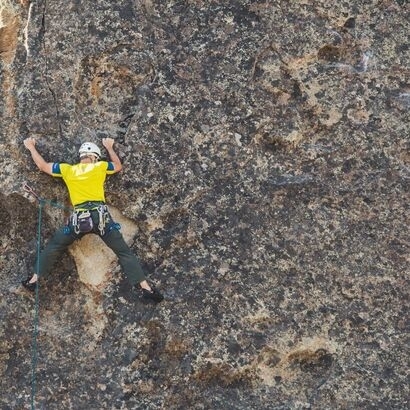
<point>266,155</point>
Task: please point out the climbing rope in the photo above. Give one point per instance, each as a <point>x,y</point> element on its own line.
<point>34,349</point>
<point>34,344</point>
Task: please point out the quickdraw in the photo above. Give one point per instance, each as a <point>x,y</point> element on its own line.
<point>30,190</point>
<point>41,200</point>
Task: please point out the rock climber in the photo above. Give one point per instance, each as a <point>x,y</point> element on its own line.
<point>85,184</point>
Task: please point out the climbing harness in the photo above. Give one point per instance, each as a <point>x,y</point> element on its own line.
<point>82,218</point>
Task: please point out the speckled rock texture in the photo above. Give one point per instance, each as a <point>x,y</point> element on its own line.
<point>266,172</point>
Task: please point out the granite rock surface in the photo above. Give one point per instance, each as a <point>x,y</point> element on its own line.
<point>266,180</point>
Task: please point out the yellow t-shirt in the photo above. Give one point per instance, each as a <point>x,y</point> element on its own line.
<point>85,182</point>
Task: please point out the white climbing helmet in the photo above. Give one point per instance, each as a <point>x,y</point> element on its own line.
<point>89,148</point>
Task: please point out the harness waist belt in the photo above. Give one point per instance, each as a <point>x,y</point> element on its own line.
<point>88,206</point>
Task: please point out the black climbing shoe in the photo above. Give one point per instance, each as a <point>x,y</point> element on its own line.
<point>29,286</point>
<point>154,295</point>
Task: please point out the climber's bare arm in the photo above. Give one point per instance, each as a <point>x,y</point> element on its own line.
<point>42,165</point>
<point>108,144</point>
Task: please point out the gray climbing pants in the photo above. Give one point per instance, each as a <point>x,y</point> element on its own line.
<point>112,237</point>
